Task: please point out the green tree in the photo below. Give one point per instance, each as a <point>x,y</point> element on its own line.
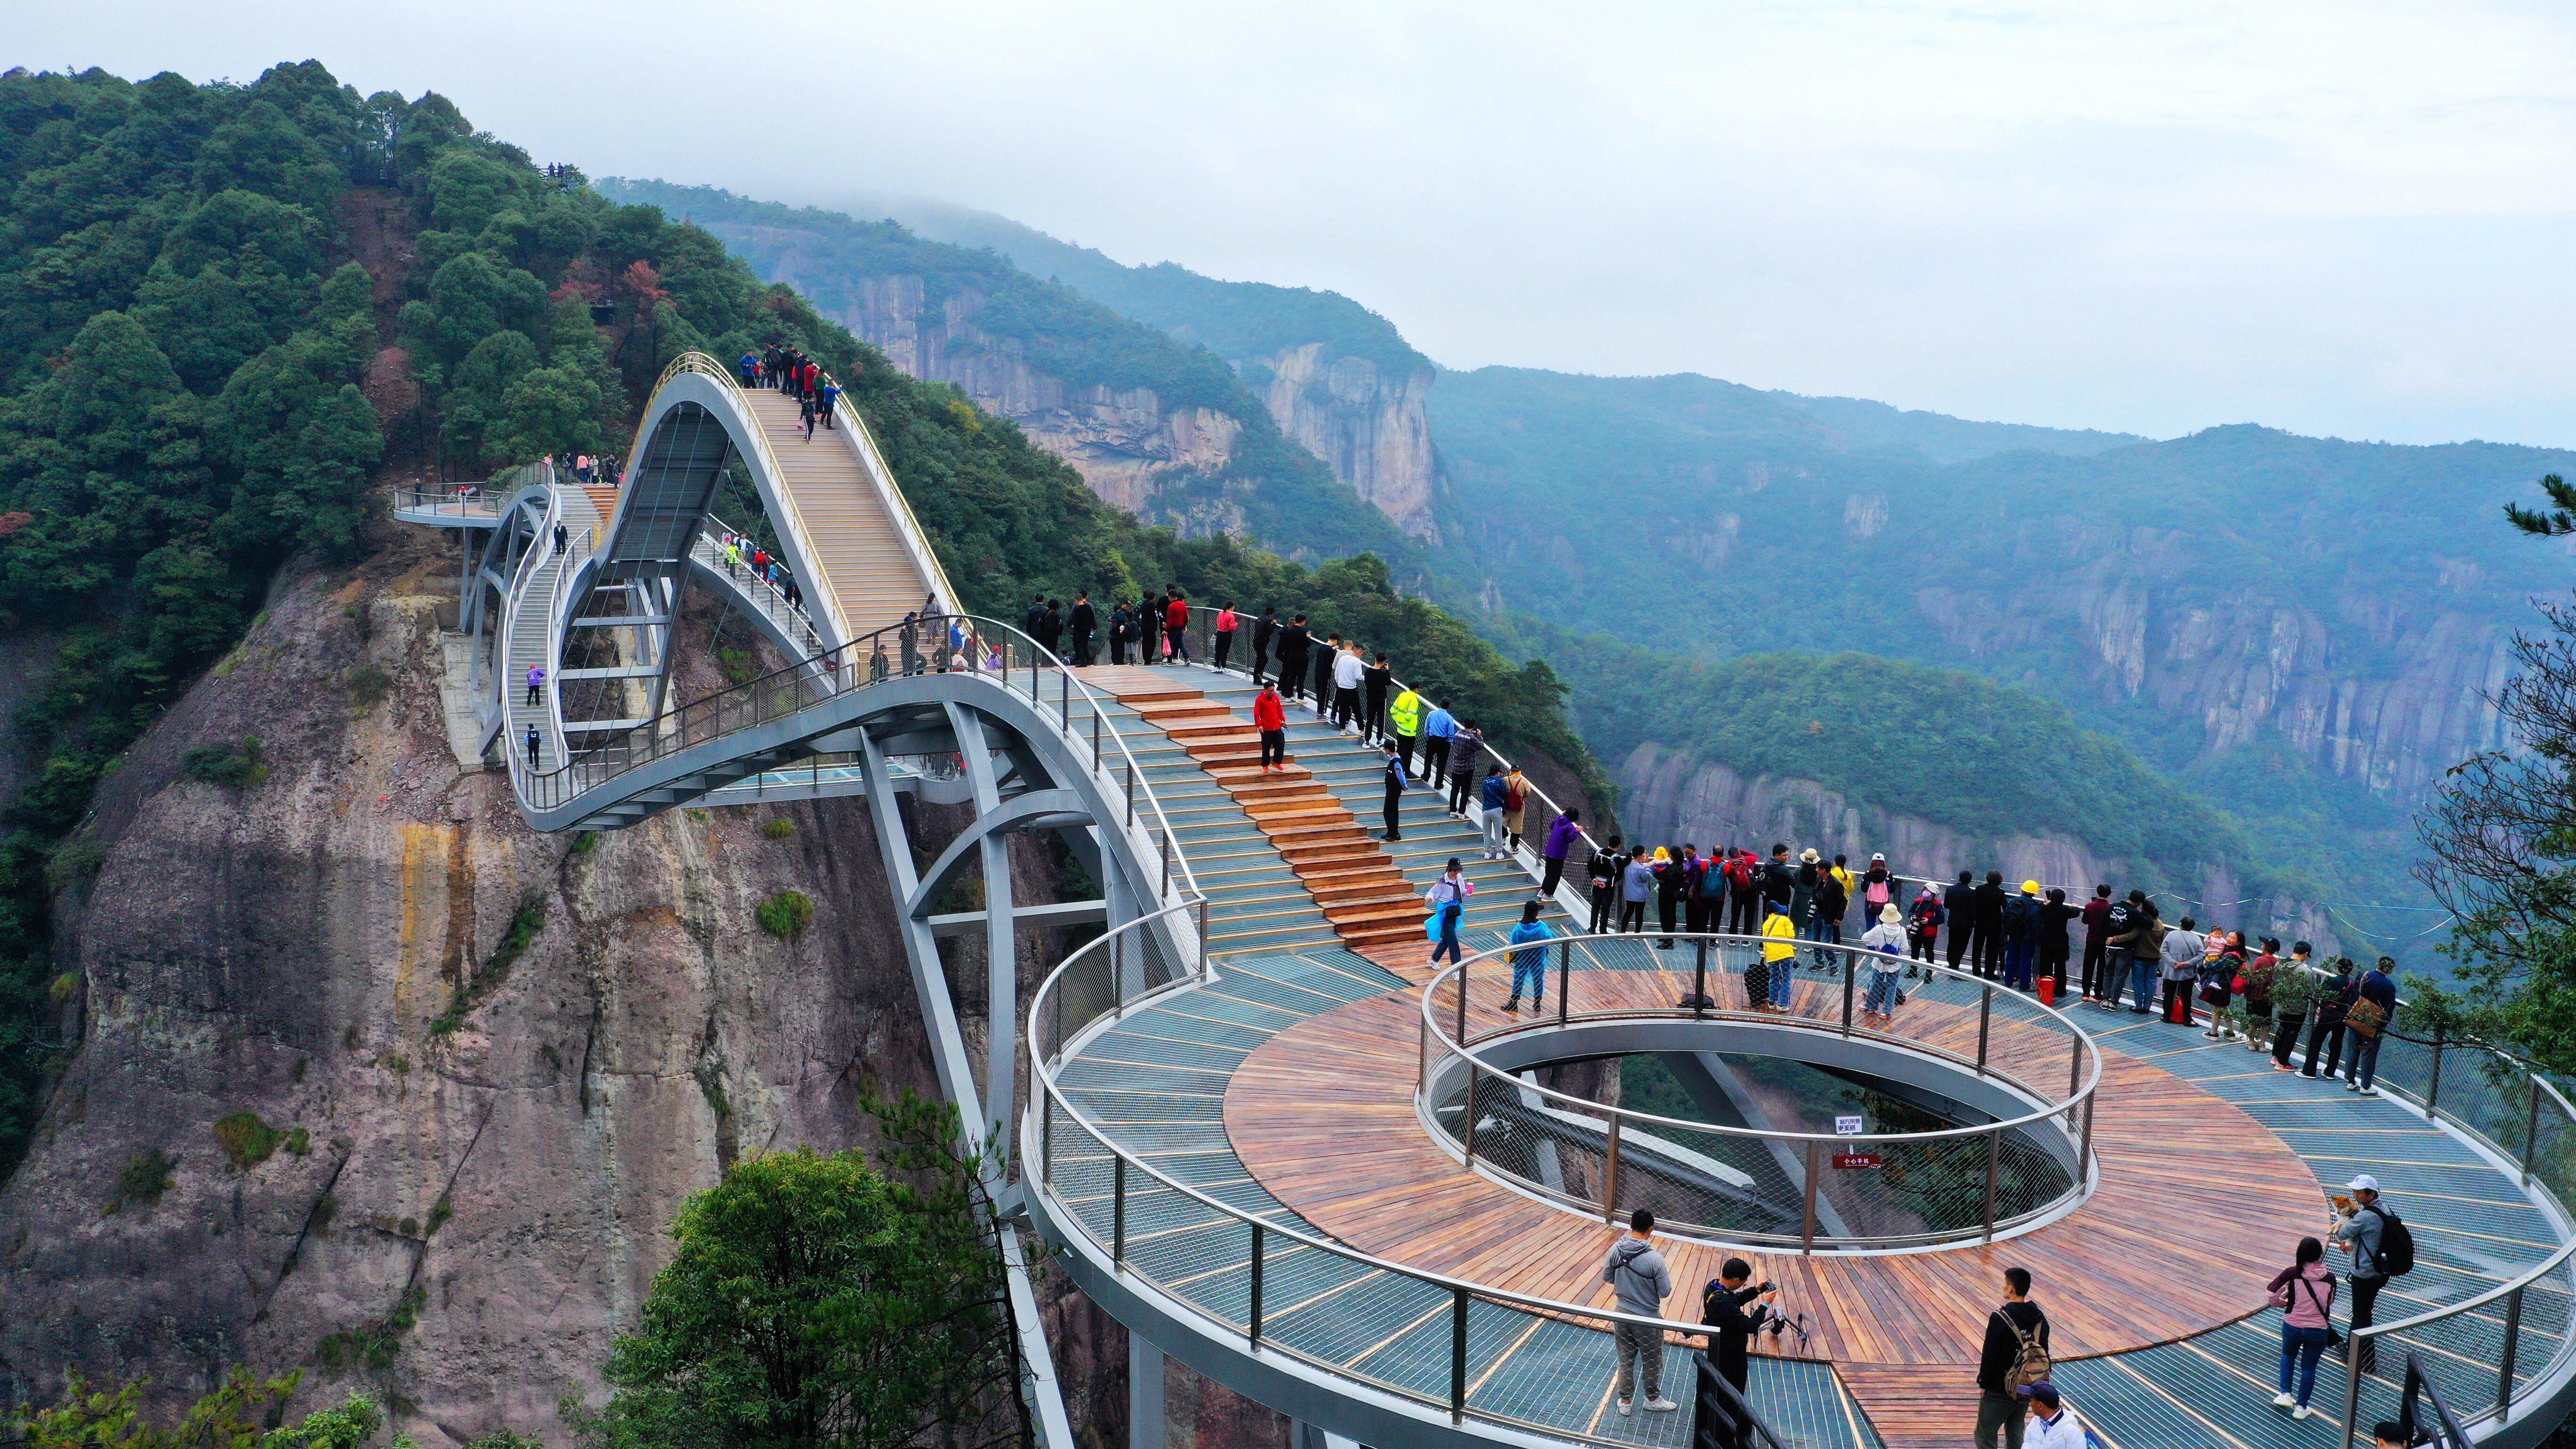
<point>816,1301</point>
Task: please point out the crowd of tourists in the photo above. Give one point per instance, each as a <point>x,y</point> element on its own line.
<point>747,557</point>
<point>788,370</point>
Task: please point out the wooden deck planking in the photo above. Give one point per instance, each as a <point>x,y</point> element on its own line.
<point>1323,1116</point>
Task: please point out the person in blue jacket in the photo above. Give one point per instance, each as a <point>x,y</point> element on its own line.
<point>1529,960</point>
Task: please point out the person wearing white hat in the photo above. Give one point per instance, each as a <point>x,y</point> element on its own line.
<point>2363,1231</point>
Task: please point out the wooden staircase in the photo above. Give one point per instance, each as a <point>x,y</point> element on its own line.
<point>1357,886</point>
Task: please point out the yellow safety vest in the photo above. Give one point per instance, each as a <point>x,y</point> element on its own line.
<point>1406,714</point>
<point>1778,937</point>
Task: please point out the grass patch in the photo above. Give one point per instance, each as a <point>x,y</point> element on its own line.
<point>74,861</point>
<point>368,684</point>
<point>233,766</point>
<point>584,843</point>
<point>65,987</point>
<point>439,1212</point>
<point>299,1143</point>
<point>787,913</point>
<point>778,827</point>
<point>525,923</point>
<point>246,1139</point>
<point>143,1179</point>
<point>739,665</point>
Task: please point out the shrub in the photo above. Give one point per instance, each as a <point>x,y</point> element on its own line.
<point>299,1142</point>
<point>368,684</point>
<point>233,766</point>
<point>787,913</point>
<point>584,843</point>
<point>143,1179</point>
<point>66,986</point>
<point>778,827</point>
<point>246,1139</point>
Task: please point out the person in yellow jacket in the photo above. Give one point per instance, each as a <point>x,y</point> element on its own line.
<point>1405,718</point>
<point>1779,956</point>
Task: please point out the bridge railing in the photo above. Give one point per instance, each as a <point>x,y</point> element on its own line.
<point>2505,1344</point>
<point>959,644</point>
<point>1906,1179</point>
<point>1369,1323</point>
<point>709,549</point>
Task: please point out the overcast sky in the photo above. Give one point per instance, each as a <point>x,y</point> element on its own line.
<point>2351,219</point>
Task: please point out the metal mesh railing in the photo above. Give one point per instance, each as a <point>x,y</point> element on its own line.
<point>1811,1188</point>
<point>2488,1351</point>
<point>1176,1218</point>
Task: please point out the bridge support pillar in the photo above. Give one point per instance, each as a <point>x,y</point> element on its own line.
<point>1145,1421</point>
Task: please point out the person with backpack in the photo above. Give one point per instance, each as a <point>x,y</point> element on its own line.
<point>1877,888</point>
<point>1516,793</point>
<point>2222,961</point>
<point>2254,988</point>
<point>2304,1292</point>
<point>2382,1247</point>
<point>1926,925</point>
<point>1604,873</point>
<point>2097,944</point>
<point>1703,893</point>
<point>2132,944</point>
<point>1529,958</point>
<point>1886,942</point>
<point>2326,1032</point>
<point>1492,794</point>
<point>2014,1357</point>
<point>2368,1015</point>
<point>2018,925</point>
<point>1743,894</point>
<point>1448,900</point>
<point>1639,1283</point>
<point>1731,1328</point>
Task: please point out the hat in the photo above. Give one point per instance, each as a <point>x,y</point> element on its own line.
<point>2030,888</point>
<point>1809,856</point>
<point>1663,852</point>
<point>2364,1183</point>
<point>2042,1392</point>
<point>1891,914</point>
<point>1876,856</point>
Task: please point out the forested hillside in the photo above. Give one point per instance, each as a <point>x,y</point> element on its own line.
<point>228,308</point>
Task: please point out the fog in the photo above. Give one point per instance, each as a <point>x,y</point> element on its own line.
<point>2350,220</point>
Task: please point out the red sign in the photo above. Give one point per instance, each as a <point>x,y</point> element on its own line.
<point>1856,1159</point>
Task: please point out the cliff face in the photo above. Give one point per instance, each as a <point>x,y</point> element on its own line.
<point>2383,691</point>
<point>1372,428</point>
<point>1133,451</point>
<point>1671,796</point>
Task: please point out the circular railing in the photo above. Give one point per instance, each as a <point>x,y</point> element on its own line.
<point>1263,1277</point>
<point>1882,1185</point>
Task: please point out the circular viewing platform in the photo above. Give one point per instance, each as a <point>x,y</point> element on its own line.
<point>1271,1159</point>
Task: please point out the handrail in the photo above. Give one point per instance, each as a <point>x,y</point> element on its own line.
<point>907,524</point>
<point>792,523</point>
<point>1038,1167</point>
<point>1648,1136</point>
<point>769,593</point>
<point>1851,957</point>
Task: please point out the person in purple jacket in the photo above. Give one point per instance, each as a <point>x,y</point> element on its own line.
<point>1562,832</point>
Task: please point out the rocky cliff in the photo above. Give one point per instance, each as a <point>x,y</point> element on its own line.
<point>1133,451</point>
<point>321,1116</point>
<point>1371,427</point>
<point>1674,796</point>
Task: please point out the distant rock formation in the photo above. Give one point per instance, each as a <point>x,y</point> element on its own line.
<point>1372,429</point>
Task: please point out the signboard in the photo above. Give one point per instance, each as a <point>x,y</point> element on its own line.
<point>1847,1126</point>
<point>1856,1159</point>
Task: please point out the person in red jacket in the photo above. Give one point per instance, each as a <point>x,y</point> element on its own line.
<point>2097,945</point>
<point>1270,717</point>
<point>1176,626</point>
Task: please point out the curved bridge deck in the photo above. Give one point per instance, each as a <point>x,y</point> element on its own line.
<point>1284,1088</point>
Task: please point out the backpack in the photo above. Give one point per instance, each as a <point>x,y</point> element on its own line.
<point>1739,873</point>
<point>2396,1243</point>
<point>2030,1362</point>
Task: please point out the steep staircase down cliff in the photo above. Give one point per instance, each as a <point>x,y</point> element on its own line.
<point>849,536</point>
